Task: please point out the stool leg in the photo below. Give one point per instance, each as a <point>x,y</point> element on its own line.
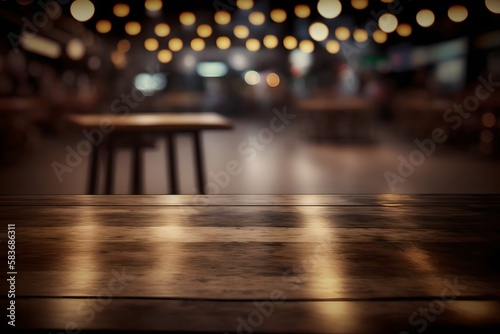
<point>199,162</point>
<point>137,167</point>
<point>172,163</point>
<point>93,171</point>
<point>111,165</point>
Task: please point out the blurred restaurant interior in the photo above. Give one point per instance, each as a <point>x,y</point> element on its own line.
<point>314,97</point>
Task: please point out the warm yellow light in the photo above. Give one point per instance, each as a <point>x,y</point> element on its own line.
<point>164,56</point>
<point>493,6</point>
<point>204,30</point>
<point>223,42</point>
<point>244,4</point>
<point>187,18</point>
<point>290,42</point>
<point>151,44</point>
<point>302,11</point>
<point>222,17</point>
<point>333,47</point>
<point>306,46</point>
<point>75,49</point>
<point>121,9</point>
<point>257,18</point>
<point>360,35</point>
<point>318,31</point>
<point>133,28</point>
<point>270,41</point>
<point>175,44</point>
<point>379,36</point>
<point>278,15</point>
<point>329,9</point>
<point>82,10</point>
<point>425,18</point>
<point>342,33</point>
<point>241,31</point>
<point>118,59</point>
<point>273,80</point>
<point>404,30</point>
<point>197,44</point>
<point>162,29</point>
<point>388,23</point>
<point>40,45</point>
<point>153,5</point>
<point>359,4</point>
<point>103,26</point>
<point>123,46</point>
<point>252,78</point>
<point>457,13</point>
<point>252,44</point>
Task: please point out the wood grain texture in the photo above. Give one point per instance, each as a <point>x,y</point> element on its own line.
<point>477,201</point>
<point>345,264</point>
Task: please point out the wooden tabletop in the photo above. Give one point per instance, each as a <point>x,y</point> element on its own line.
<point>256,264</point>
<point>153,122</point>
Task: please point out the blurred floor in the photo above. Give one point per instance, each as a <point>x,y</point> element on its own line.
<point>287,164</point>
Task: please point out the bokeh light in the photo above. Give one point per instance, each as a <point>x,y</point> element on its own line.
<point>270,41</point>
<point>318,31</point>
<point>82,10</point>
<point>164,56</point>
<point>121,10</point>
<point>162,30</point>
<point>222,17</point>
<point>302,11</point>
<point>175,44</point>
<point>133,28</point>
<point>223,42</point>
<point>278,15</point>
<point>425,18</point>
<point>103,26</point>
<point>457,13</point>
<point>273,80</point>
<point>329,9</point>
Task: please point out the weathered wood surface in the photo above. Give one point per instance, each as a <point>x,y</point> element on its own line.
<point>341,264</point>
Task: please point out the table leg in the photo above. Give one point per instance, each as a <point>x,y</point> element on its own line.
<point>93,170</point>
<point>199,162</point>
<point>111,165</point>
<point>137,167</point>
<point>172,163</point>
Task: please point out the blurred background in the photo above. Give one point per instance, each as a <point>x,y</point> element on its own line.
<point>374,96</point>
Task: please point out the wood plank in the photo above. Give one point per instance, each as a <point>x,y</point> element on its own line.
<point>401,251</point>
<point>238,317</point>
<point>478,201</point>
<point>361,264</point>
<point>465,220</point>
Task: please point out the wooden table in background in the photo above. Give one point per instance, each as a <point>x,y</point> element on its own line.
<point>330,116</point>
<point>137,124</point>
<point>261,264</point>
